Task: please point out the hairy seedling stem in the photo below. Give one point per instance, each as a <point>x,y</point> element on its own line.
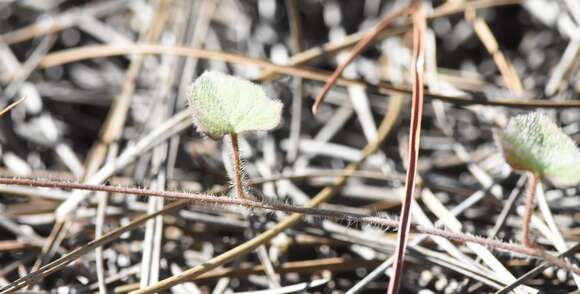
<point>529,208</point>
<point>237,166</point>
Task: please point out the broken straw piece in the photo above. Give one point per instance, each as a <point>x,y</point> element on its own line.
<point>532,142</point>
<point>224,104</point>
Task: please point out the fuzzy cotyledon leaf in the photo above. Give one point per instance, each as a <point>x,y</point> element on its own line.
<point>224,104</point>
<point>534,143</point>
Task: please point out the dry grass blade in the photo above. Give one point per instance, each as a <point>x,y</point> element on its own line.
<point>336,264</point>
<point>536,271</point>
<point>451,7</point>
<point>504,65</point>
<point>419,25</point>
<point>12,105</point>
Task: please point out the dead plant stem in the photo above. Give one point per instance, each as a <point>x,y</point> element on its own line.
<point>358,49</point>
<point>414,139</point>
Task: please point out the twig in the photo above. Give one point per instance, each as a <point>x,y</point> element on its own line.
<point>335,264</point>
<point>360,46</point>
<point>414,139</point>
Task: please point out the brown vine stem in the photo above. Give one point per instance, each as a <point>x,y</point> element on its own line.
<point>100,51</point>
<point>211,200</point>
<point>419,25</point>
<point>529,209</point>
<point>357,50</point>
<point>237,166</point>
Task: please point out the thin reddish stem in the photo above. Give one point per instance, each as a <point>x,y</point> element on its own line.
<point>237,166</point>
<point>529,209</point>
<point>206,199</point>
<point>414,139</point>
<point>356,51</point>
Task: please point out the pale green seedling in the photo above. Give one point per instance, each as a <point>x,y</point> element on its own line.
<point>532,142</point>
<point>227,105</point>
<point>224,104</point>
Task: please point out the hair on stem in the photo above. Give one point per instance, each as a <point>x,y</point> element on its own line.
<point>212,200</point>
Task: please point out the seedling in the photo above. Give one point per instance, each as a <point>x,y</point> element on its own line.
<point>226,105</point>
<point>535,144</point>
